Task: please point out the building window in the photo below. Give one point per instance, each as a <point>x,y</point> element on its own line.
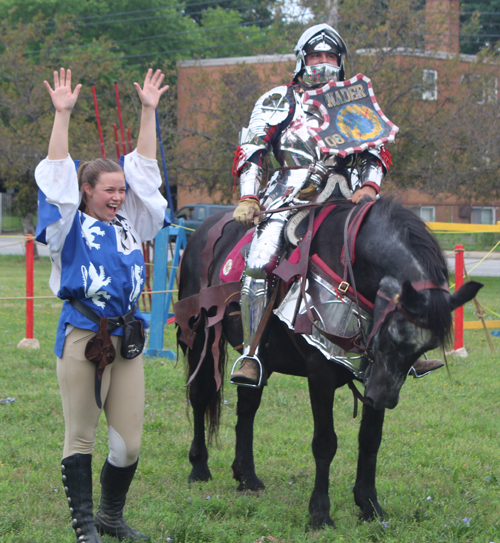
<point>483,88</point>
<point>426,213</point>
<point>489,91</point>
<point>483,215</point>
<point>430,85</point>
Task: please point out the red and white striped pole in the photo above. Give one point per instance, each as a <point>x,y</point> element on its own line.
<point>459,311</point>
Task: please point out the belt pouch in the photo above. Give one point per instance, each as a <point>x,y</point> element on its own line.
<point>133,338</point>
<point>101,351</point>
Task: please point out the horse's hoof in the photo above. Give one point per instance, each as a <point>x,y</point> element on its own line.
<point>319,525</point>
<point>374,513</point>
<point>254,485</point>
<point>203,477</point>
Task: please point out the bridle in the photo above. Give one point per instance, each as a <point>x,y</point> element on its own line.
<point>393,305</point>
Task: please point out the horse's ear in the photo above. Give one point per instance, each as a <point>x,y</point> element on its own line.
<point>411,299</point>
<point>464,294</point>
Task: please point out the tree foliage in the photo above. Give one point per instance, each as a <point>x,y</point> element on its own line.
<point>28,55</point>
<point>480,22</point>
<point>157,31</point>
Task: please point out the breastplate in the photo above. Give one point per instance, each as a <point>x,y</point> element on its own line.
<point>297,145</point>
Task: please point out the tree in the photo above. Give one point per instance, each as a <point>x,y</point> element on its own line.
<point>480,21</point>
<point>258,12</point>
<point>26,112</point>
<point>208,134</point>
<point>157,31</point>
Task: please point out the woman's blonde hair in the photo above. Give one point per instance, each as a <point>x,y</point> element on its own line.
<point>89,172</point>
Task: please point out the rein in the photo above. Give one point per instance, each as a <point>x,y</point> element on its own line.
<point>298,207</point>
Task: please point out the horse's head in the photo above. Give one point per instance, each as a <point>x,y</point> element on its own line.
<point>410,319</point>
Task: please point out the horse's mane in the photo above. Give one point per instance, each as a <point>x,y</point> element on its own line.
<point>416,237</point>
<point>423,245</point>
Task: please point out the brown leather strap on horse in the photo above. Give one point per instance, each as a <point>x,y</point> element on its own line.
<point>351,231</point>
<point>347,343</point>
<point>357,396</point>
<point>349,242</point>
<point>395,305</point>
<point>207,255</point>
<point>285,269</point>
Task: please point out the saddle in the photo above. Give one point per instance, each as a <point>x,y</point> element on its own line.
<point>298,264</point>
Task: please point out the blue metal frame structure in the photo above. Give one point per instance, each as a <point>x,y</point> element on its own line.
<point>164,279</point>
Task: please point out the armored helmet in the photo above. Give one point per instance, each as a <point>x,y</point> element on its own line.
<point>320,37</point>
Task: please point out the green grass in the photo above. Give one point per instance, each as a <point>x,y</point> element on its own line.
<point>472,242</point>
<point>11,223</point>
<point>441,443</point>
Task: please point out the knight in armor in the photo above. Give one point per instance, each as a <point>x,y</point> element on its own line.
<point>279,123</point>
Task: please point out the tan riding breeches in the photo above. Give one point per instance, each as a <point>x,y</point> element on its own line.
<point>122,395</point>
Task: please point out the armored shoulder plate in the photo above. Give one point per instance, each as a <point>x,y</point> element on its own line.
<point>271,109</point>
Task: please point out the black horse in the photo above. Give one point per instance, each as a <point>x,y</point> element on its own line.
<point>394,253</point>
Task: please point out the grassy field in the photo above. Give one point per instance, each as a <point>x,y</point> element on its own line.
<point>471,242</point>
<point>438,471</point>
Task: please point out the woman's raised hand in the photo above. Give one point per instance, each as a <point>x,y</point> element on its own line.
<point>152,90</point>
<point>62,97</point>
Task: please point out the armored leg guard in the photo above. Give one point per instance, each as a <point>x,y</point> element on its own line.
<point>109,519</point>
<point>253,306</point>
<point>77,479</point>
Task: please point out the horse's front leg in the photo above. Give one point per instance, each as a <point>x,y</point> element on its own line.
<point>370,437</point>
<point>243,465</point>
<point>199,397</point>
<point>322,384</point>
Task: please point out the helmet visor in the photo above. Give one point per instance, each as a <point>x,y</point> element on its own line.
<point>321,42</point>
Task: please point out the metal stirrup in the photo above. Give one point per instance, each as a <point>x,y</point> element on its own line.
<point>240,359</point>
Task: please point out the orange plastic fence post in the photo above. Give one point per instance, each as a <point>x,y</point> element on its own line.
<point>459,311</point>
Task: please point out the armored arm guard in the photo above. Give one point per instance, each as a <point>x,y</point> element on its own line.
<point>270,110</point>
<point>372,166</point>
<point>248,160</point>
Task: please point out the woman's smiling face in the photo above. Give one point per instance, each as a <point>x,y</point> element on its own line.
<point>106,197</point>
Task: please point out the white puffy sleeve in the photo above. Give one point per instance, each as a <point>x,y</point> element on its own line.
<point>58,200</point>
<point>144,205</point>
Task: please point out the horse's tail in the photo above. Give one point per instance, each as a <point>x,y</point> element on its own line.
<point>205,372</point>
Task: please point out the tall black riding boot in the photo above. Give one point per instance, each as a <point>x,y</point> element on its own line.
<point>77,479</point>
<point>109,519</point>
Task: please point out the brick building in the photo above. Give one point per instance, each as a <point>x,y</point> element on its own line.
<point>441,51</point>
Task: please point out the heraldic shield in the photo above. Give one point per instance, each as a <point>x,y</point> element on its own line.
<point>352,118</point>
